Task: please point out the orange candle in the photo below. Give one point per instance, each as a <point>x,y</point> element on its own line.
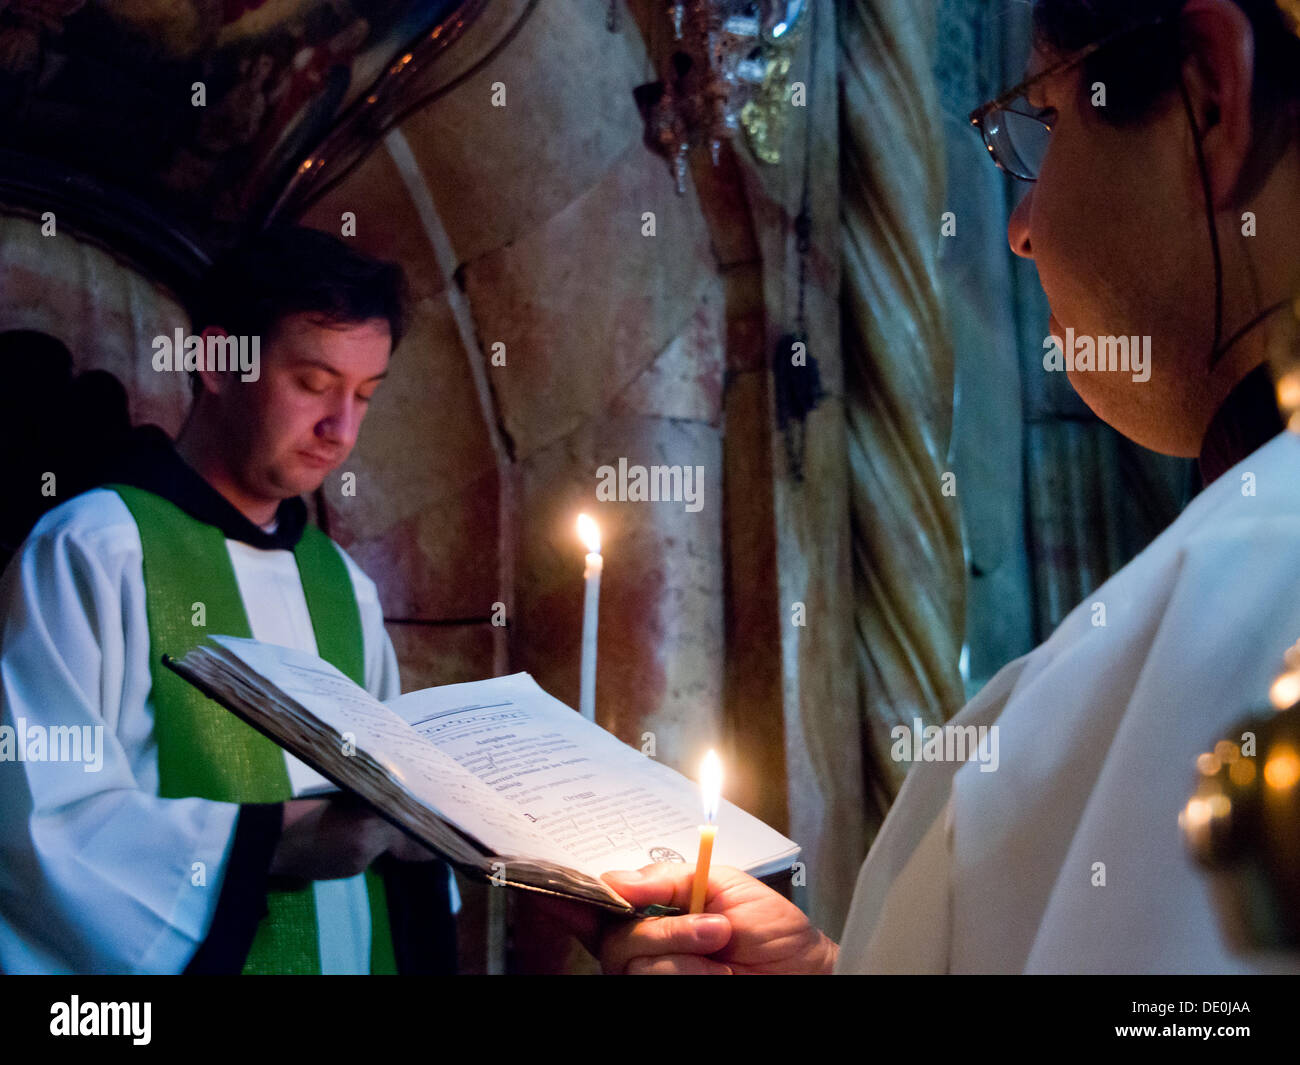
<point>711,793</point>
<point>700,885</point>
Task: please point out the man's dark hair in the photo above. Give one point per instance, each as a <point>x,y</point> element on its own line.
<point>1142,68</point>
<point>289,270</point>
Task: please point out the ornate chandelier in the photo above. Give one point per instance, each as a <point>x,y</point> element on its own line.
<point>726,68</point>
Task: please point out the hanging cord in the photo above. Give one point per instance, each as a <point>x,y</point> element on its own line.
<point>799,388</point>
<point>803,222</point>
<point>1271,309</point>
<point>1215,352</point>
<point>1217,349</point>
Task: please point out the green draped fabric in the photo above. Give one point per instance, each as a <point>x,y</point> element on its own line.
<point>208,752</point>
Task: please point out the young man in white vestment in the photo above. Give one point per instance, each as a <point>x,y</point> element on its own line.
<point>1100,726</point>
<point>181,845</point>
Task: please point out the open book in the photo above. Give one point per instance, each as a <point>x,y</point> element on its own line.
<point>501,779</point>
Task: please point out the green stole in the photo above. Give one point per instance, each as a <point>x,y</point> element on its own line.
<point>206,751</point>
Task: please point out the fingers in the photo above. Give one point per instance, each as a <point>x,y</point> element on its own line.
<point>668,884</point>
<point>576,918</point>
<point>694,934</point>
<point>408,849</point>
<point>677,965</point>
<point>296,809</point>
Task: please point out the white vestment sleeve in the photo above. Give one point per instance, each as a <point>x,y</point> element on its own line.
<point>1068,857</point>
<point>915,927</point>
<point>382,680</point>
<point>919,816</point>
<point>97,873</point>
<point>1231,612</point>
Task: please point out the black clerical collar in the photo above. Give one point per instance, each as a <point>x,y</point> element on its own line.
<point>1247,420</point>
<point>151,462</point>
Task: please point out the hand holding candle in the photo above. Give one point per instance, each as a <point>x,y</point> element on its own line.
<point>711,793</point>
<point>589,532</point>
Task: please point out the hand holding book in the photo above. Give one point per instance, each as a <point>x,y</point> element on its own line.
<point>500,778</point>
<point>324,839</point>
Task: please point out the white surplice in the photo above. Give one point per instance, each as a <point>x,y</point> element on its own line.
<point>1098,730</point>
<point>97,871</point>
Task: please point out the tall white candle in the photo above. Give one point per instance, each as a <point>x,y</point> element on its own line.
<point>589,532</point>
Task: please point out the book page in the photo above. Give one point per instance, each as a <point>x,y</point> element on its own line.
<point>606,805</point>
<point>426,772</point>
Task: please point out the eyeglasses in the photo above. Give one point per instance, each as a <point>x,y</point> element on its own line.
<point>1017,134</point>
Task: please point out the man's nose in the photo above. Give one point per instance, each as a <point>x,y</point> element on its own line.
<point>1018,225</point>
<point>342,423</point>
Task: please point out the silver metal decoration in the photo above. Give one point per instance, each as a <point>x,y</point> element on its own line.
<point>720,68</point>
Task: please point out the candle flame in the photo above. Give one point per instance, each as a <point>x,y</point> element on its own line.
<point>589,533</point>
<point>711,785</point>
<point>1285,691</point>
<point>1288,391</point>
<point>1282,769</point>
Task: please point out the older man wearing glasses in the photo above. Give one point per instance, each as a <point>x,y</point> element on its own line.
<point>1170,211</point>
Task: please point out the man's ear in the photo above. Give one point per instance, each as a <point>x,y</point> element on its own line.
<point>213,381</point>
<point>1218,72</point>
